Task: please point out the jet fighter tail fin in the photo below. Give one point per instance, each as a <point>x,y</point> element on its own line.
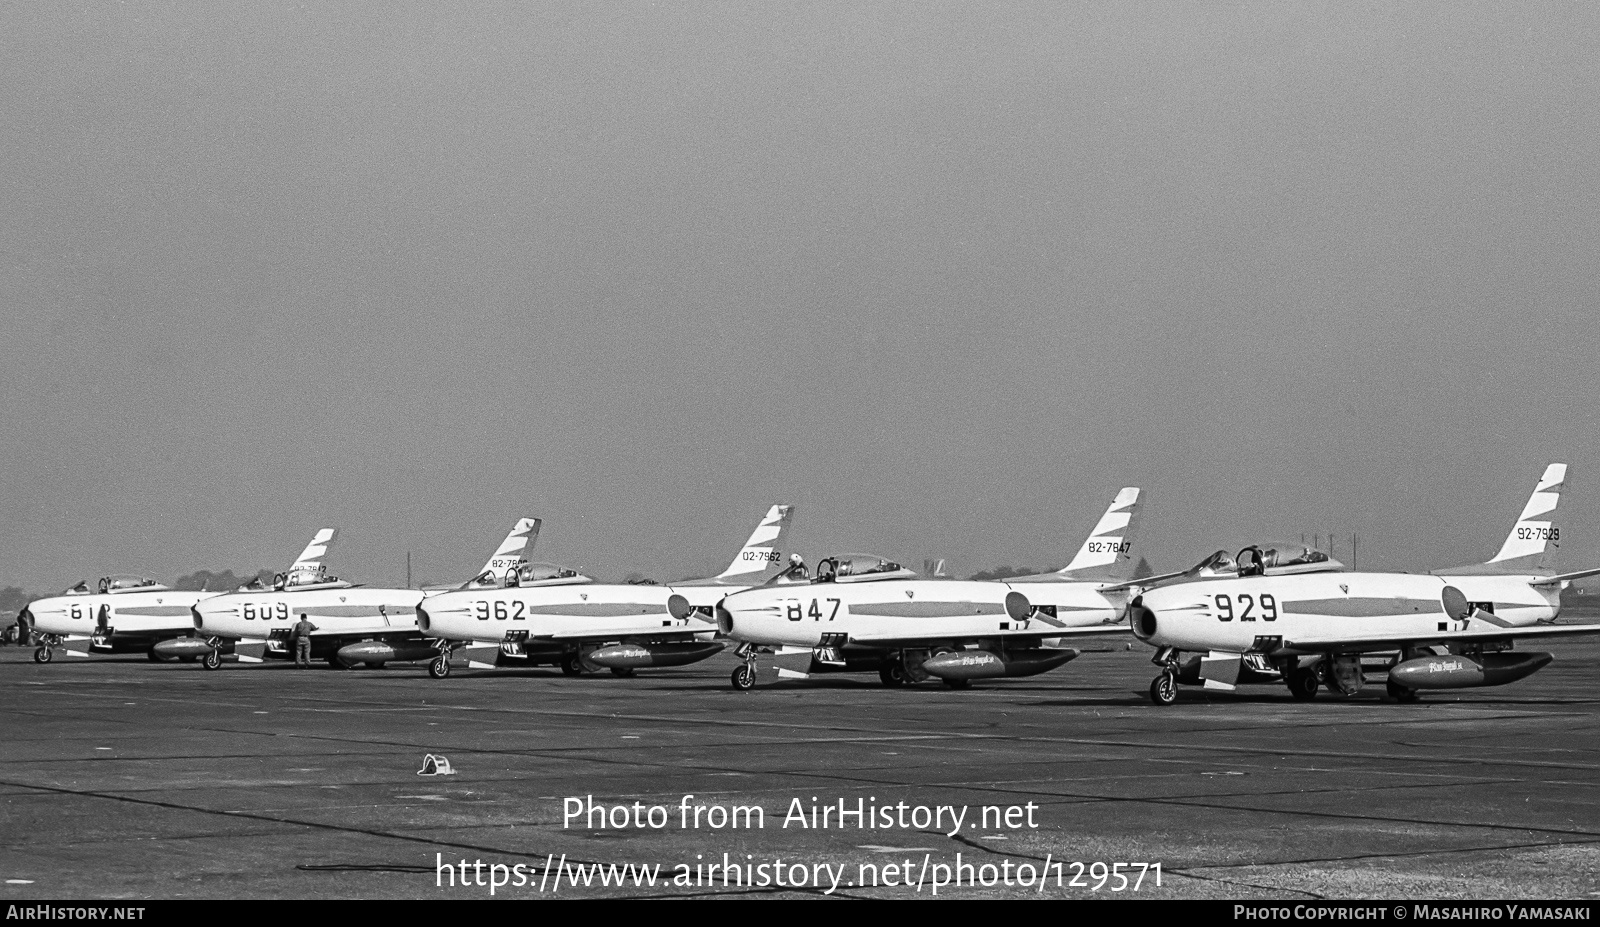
<point>1535,539</point>
<point>1107,555</point>
<point>311,558</point>
<point>762,556</point>
<point>511,553</point>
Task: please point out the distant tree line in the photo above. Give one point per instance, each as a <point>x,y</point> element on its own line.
<point>225,581</point>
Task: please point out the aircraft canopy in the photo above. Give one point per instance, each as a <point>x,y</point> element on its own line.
<point>848,567</point>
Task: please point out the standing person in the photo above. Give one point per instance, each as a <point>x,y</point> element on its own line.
<point>302,641</point>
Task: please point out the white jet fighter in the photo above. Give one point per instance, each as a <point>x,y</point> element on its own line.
<point>344,613</point>
<point>863,613</point>
<point>554,616</point>
<point>1292,615</point>
<point>128,614</point>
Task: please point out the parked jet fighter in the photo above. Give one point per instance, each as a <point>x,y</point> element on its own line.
<point>126,614</point>
<point>344,613</point>
<point>863,613</point>
<point>556,616</point>
<point>1292,615</point>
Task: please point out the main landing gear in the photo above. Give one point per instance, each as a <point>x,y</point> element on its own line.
<point>1303,682</point>
<point>42,655</point>
<point>212,659</point>
<point>893,673</point>
<point>440,667</point>
<point>1401,693</point>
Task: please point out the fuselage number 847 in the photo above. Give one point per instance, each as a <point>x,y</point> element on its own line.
<point>794,611</point>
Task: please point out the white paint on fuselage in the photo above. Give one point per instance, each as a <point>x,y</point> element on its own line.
<point>141,612</point>
<point>350,610</point>
<point>1318,606</point>
<point>911,609</point>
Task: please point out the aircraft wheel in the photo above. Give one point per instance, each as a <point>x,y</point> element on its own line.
<point>958,683</point>
<point>1401,693</point>
<point>439,668</point>
<point>622,671</point>
<point>1303,684</point>
<point>42,655</point>
<point>572,664</point>
<point>744,678</point>
<point>213,660</point>
<point>893,673</point>
<point>1164,689</point>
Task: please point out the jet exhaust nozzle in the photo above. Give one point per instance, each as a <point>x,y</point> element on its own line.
<point>1462,672</point>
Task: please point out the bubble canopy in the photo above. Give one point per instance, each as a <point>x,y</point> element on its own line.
<point>859,568</point>
<point>547,574</point>
<point>128,583</point>
<point>1279,558</point>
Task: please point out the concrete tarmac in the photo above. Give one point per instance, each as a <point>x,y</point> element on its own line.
<point>127,779</point>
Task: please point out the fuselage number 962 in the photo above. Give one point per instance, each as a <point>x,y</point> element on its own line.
<point>764,556</point>
<point>794,611</point>
<point>501,610</point>
<point>1250,608</point>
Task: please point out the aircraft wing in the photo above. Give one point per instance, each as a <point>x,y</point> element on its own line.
<point>1143,581</point>
<point>1309,646</point>
<point>1039,632</point>
<point>611,634</point>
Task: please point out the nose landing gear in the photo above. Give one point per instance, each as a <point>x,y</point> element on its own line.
<point>744,678</point>
<point>1164,688</point>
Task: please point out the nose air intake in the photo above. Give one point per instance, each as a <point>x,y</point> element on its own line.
<point>423,621</point>
<point>724,620</point>
<point>1141,619</point>
<point>199,620</point>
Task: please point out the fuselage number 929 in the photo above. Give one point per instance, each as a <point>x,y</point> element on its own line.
<point>1250,607</point>
<point>794,611</point>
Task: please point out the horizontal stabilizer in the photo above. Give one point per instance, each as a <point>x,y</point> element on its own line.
<point>1564,577</point>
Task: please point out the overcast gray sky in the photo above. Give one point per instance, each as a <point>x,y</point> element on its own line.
<point>944,275</point>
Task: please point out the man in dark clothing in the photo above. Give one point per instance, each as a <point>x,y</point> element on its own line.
<point>302,641</point>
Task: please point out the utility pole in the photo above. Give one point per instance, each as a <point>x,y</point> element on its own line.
<point>408,569</point>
